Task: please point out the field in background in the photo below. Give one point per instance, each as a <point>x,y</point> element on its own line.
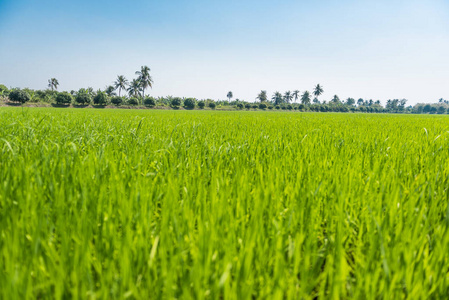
<point>134,204</point>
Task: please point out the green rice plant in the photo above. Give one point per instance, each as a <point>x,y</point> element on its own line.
<point>165,204</point>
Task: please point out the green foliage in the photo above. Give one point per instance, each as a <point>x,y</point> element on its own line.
<point>149,101</point>
<point>201,104</point>
<point>116,100</point>
<point>19,96</point>
<point>189,103</point>
<point>64,98</point>
<point>262,106</point>
<point>83,97</point>
<point>176,102</point>
<point>133,101</point>
<point>101,98</point>
<point>247,105</point>
<point>255,106</point>
<point>212,105</point>
<point>240,105</point>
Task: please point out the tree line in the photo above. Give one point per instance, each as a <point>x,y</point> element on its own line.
<point>134,95</point>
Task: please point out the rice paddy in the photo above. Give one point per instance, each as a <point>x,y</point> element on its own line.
<point>128,204</point>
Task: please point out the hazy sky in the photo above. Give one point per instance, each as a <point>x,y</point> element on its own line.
<point>371,49</point>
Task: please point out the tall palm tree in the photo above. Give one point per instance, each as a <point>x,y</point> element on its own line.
<point>134,88</point>
<point>262,96</point>
<point>229,95</point>
<point>120,83</point>
<point>305,98</point>
<point>288,96</point>
<point>145,79</point>
<point>295,95</point>
<point>53,83</point>
<point>277,98</point>
<point>318,91</point>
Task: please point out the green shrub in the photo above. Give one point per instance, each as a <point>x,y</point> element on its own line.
<point>247,105</point>
<point>189,103</point>
<point>262,106</point>
<point>239,105</point>
<point>82,97</point>
<point>117,100</point>
<point>441,110</point>
<point>212,105</point>
<point>64,98</point>
<point>270,107</point>
<point>278,107</point>
<point>19,96</point>
<point>175,102</point>
<point>133,101</point>
<point>289,107</point>
<point>101,98</point>
<point>201,104</point>
<point>149,101</point>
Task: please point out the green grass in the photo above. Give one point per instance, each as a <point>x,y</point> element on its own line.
<point>113,204</point>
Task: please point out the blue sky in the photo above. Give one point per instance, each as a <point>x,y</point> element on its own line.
<point>370,49</point>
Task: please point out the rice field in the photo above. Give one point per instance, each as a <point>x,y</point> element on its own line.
<point>139,204</point>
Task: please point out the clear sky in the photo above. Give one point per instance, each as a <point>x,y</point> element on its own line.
<point>377,49</point>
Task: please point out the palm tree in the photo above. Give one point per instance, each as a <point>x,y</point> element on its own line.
<point>335,99</point>
<point>110,91</point>
<point>295,95</point>
<point>144,79</point>
<point>288,96</point>
<point>277,98</point>
<point>262,96</point>
<point>120,83</point>
<point>229,95</point>
<point>305,98</point>
<point>134,88</point>
<point>53,83</point>
<point>318,91</point>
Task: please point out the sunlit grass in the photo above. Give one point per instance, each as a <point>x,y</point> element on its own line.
<point>115,204</point>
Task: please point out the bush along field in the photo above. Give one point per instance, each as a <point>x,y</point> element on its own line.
<point>152,204</point>
<point>289,101</point>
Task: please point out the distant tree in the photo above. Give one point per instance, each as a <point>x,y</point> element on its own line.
<point>53,83</point>
<point>433,110</point>
<point>133,101</point>
<point>295,95</point>
<point>101,98</point>
<point>229,95</point>
<point>288,96</point>
<point>441,110</point>
<point>262,106</point>
<point>360,102</point>
<point>316,101</point>
<point>149,101</point>
<point>19,96</point>
<point>277,98</point>
<point>134,88</point>
<point>145,79</point>
<point>189,103</point>
<point>201,104</point>
<point>83,97</point>
<point>350,101</point>
<point>335,99</point>
<point>305,98</point>
<point>64,98</point>
<point>110,91</point>
<point>240,105</point>
<point>120,83</point>
<point>262,96</point>
<point>175,102</point>
<point>247,105</point>
<point>318,91</point>
<point>427,108</point>
<point>117,100</point>
<point>212,105</point>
